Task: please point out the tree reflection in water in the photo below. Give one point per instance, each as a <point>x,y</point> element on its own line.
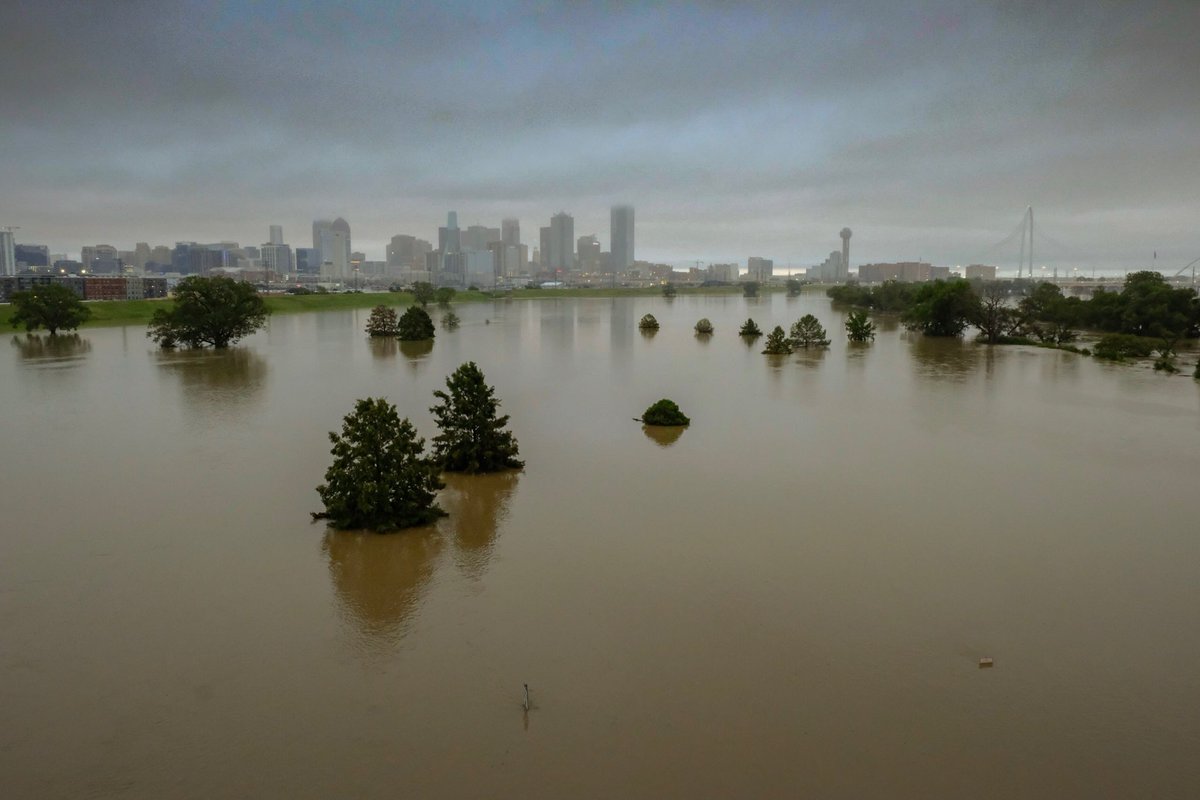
<point>379,579</point>
<point>384,347</point>
<point>216,378</point>
<point>948,357</point>
<point>663,435</point>
<point>477,505</point>
<point>63,350</point>
<point>416,352</point>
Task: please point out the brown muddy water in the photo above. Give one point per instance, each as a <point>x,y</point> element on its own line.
<point>789,599</point>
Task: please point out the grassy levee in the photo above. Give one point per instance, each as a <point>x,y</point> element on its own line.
<point>133,312</point>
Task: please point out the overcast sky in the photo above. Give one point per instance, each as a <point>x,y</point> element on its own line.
<point>734,129</point>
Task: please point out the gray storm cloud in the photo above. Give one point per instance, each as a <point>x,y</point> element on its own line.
<point>736,130</point>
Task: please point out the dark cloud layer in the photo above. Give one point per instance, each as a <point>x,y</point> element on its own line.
<point>736,129</point>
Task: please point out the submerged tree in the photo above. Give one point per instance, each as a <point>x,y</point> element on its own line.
<point>473,437</point>
<point>942,308</point>
<point>50,306</point>
<point>450,320</point>
<point>382,322</point>
<point>415,325</point>
<point>648,323</point>
<point>213,311</point>
<point>669,290</point>
<point>992,316</point>
<point>704,326</point>
<point>750,289</point>
<point>444,295</point>
<point>859,327</point>
<point>380,477</point>
<point>808,332</point>
<point>778,344</point>
<point>794,287</point>
<point>749,328</point>
<point>665,412</point>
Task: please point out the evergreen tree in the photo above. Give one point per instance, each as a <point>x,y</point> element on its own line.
<point>473,437</point>
<point>380,477</point>
<point>382,322</point>
<point>415,324</point>
<point>648,323</point>
<point>777,343</point>
<point>808,332</point>
<point>859,327</point>
<point>750,328</point>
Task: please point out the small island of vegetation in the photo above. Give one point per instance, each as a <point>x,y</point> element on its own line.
<point>648,323</point>
<point>664,413</point>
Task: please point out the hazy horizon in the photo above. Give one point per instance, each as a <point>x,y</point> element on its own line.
<point>734,131</point>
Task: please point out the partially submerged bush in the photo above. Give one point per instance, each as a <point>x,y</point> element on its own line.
<point>808,332</point>
<point>749,328</point>
<point>664,412</point>
<point>778,344</point>
<point>704,326</point>
<point>382,322</point>
<point>415,324</point>
<point>648,323</point>
<point>1119,346</point>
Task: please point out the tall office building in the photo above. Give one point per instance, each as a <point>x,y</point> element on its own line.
<point>8,256</point>
<point>449,237</point>
<point>760,269</point>
<point>277,258</point>
<point>620,232</point>
<point>332,240</point>
<point>844,272</point>
<point>510,231</point>
<point>543,259</point>
<point>590,255</point>
<point>562,241</point>
<point>276,236</point>
<point>407,251</point>
<point>478,237</point>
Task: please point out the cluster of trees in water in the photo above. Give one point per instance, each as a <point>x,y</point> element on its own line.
<point>1146,316</point>
<point>381,477</point>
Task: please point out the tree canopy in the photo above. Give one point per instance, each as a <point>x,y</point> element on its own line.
<point>749,328</point>
<point>750,289</point>
<point>665,412</point>
<point>50,306</point>
<point>423,292</point>
<point>444,295</point>
<point>859,327</point>
<point>382,322</point>
<point>380,477</point>
<point>648,323</point>
<point>808,332</point>
<point>216,311</point>
<point>415,325</point>
<point>942,308</point>
<point>704,326</point>
<point>473,437</point>
<point>669,290</point>
<point>778,344</point>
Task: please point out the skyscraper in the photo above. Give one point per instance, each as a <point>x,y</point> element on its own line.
<point>8,256</point>
<point>276,236</point>
<point>449,238</point>
<point>510,231</point>
<point>332,240</point>
<point>562,241</point>
<point>620,233</point>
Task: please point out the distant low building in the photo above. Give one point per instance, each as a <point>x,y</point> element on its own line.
<point>907,271</point>
<point>980,271</point>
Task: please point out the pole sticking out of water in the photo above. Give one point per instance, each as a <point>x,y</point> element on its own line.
<point>526,703</point>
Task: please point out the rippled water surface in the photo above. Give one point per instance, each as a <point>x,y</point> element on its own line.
<point>787,599</point>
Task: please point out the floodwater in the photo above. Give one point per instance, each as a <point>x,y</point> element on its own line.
<point>788,599</point>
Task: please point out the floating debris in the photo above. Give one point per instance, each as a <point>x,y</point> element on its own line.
<point>985,663</point>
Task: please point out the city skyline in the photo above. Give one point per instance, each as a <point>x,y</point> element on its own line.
<point>733,130</point>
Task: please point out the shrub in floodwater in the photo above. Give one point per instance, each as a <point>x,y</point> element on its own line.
<point>704,326</point>
<point>648,323</point>
<point>665,412</point>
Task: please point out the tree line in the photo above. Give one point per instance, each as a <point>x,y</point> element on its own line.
<point>1148,314</point>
